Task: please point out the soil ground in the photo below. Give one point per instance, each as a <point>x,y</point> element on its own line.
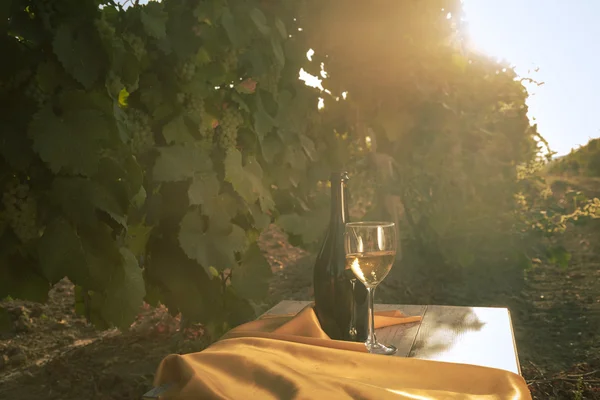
<point>51,353</point>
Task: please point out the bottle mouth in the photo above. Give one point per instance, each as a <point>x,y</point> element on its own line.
<point>340,175</point>
<point>370,224</point>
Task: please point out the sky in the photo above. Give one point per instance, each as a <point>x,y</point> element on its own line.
<point>562,39</point>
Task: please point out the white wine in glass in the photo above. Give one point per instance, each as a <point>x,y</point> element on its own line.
<point>370,253</point>
<point>370,268</point>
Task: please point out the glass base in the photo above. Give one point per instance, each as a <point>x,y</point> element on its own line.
<point>378,348</point>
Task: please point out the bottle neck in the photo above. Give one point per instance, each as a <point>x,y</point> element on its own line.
<point>339,201</point>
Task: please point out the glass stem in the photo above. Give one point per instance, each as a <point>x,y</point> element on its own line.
<point>371,340</point>
<point>353,332</point>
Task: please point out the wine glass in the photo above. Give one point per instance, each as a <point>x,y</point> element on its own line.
<point>370,253</point>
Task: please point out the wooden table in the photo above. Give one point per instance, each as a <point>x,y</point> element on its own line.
<point>468,335</point>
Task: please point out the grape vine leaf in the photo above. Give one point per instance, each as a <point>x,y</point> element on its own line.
<point>14,148</point>
<point>236,175</point>
<point>228,22</point>
<point>255,57</point>
<point>210,247</point>
<point>221,208</point>
<point>80,197</point>
<point>203,188</point>
<point>19,279</point>
<point>183,283</point>
<point>78,54</point>
<point>261,220</point>
<point>70,143</point>
<point>262,123</point>
<point>278,51</point>
<point>137,238</point>
<point>247,179</point>
<point>61,254</point>
<point>103,257</point>
<point>124,297</point>
<point>139,199</point>
<point>178,163</point>
<point>251,278</point>
<point>128,67</point>
<point>281,28</point>
<point>271,145</point>
<point>309,147</point>
<point>240,102</point>
<point>48,76</point>
<point>296,158</point>
<point>179,26</point>
<point>176,131</point>
<point>154,20</point>
<point>122,181</point>
<point>151,91</point>
<point>202,57</point>
<point>260,21</point>
<point>309,226</point>
<point>255,175</point>
<point>86,100</point>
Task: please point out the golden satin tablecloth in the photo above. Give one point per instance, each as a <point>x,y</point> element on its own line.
<point>290,357</point>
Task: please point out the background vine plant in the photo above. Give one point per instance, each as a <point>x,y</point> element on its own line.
<point>144,149</point>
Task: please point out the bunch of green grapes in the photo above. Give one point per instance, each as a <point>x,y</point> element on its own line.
<point>185,72</point>
<point>20,211</point>
<point>142,139</point>
<point>136,44</point>
<point>195,105</point>
<point>228,127</point>
<point>206,129</point>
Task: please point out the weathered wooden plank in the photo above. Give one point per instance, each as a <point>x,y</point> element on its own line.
<point>402,336</point>
<point>286,307</point>
<point>468,335</point>
<point>159,392</point>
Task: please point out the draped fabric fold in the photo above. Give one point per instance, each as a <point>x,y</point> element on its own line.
<point>304,327</point>
<point>290,357</point>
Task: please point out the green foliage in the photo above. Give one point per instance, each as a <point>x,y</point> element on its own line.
<point>179,163</point>
<point>437,136</point>
<point>74,48</point>
<point>69,143</point>
<point>132,153</point>
<point>144,149</point>
<point>582,161</point>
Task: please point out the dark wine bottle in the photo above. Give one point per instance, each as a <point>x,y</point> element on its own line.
<point>332,285</point>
